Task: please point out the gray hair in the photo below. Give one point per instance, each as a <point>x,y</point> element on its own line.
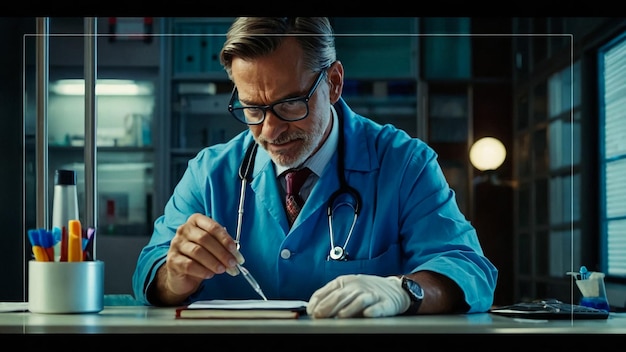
<point>254,37</point>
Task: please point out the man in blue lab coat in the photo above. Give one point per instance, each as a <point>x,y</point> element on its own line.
<point>410,250</point>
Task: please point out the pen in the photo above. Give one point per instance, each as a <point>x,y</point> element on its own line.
<point>40,254</point>
<point>255,285</point>
<point>88,240</point>
<point>64,240</point>
<point>47,242</point>
<point>33,237</point>
<point>75,242</point>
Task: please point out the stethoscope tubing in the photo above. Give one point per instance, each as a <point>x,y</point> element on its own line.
<point>336,252</point>
<point>245,175</point>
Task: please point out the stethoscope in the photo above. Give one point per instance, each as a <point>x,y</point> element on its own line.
<point>337,252</point>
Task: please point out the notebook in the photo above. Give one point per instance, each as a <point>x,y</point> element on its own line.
<point>243,309</point>
<point>549,309</point>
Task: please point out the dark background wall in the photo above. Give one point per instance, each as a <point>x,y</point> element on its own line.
<point>12,171</point>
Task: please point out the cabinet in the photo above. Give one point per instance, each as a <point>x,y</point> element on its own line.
<point>126,145</point>
<point>380,57</point>
<point>197,46</point>
<point>196,93</point>
<point>377,48</point>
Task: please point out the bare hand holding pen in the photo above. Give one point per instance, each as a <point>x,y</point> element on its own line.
<point>200,249</point>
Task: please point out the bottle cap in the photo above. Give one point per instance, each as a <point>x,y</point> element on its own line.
<point>65,177</point>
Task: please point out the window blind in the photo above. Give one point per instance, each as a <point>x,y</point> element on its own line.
<point>613,159</point>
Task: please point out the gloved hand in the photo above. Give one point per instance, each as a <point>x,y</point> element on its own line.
<point>359,295</point>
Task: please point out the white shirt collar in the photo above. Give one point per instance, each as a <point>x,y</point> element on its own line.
<point>318,161</point>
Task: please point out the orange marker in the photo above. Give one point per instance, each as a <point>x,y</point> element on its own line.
<point>40,254</point>
<point>75,242</point>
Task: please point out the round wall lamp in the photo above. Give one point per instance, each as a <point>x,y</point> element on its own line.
<point>487,153</point>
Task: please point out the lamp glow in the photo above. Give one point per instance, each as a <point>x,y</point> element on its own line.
<point>487,153</point>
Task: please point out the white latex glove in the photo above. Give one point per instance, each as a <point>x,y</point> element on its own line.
<point>359,295</point>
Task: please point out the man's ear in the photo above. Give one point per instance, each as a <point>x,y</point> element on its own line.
<point>335,81</point>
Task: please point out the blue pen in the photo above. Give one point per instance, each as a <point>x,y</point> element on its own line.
<point>33,236</point>
<point>47,242</point>
<point>88,243</point>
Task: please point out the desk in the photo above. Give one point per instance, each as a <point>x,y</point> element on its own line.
<point>157,320</point>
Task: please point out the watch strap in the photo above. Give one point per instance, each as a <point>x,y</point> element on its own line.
<point>411,287</point>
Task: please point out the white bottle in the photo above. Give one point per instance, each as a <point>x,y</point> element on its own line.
<point>65,206</point>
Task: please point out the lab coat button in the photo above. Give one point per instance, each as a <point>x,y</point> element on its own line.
<point>285,254</point>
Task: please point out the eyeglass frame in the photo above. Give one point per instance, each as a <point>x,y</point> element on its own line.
<point>264,108</point>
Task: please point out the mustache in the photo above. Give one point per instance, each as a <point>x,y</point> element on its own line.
<point>285,138</point>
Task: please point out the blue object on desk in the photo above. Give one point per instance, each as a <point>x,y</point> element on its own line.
<point>584,273</point>
<point>120,300</point>
<point>595,302</point>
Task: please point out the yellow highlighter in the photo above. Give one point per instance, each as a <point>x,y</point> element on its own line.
<point>75,242</point>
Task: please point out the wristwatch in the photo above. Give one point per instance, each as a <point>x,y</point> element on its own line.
<point>416,293</point>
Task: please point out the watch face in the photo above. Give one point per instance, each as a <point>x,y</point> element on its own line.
<point>416,293</point>
<point>414,289</point>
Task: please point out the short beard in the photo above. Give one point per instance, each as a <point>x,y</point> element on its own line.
<point>310,142</point>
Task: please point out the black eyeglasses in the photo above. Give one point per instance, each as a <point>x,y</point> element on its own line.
<point>291,109</point>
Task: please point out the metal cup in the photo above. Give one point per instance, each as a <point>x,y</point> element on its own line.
<point>66,287</point>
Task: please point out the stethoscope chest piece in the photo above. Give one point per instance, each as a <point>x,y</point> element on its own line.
<point>338,253</point>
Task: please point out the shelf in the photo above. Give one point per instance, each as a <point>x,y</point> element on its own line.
<point>185,151</point>
<point>124,149</point>
<point>201,76</point>
<point>389,106</point>
<point>385,101</point>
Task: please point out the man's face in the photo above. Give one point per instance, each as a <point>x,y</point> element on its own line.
<point>275,77</point>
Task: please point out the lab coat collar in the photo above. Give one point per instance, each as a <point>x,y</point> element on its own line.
<point>359,151</point>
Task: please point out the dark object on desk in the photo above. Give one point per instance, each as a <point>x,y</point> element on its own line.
<point>549,309</point>
<point>242,309</point>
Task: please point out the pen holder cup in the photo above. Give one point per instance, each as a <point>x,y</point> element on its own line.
<point>65,287</point>
<point>593,292</point>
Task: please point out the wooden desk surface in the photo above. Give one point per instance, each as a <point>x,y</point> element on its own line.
<point>153,320</point>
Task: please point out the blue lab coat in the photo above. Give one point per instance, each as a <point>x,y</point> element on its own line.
<point>409,219</point>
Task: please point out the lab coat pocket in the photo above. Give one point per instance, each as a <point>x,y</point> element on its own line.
<point>387,263</point>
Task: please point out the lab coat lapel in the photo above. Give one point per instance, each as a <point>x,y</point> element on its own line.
<point>265,189</point>
<point>359,157</point>
<point>360,153</point>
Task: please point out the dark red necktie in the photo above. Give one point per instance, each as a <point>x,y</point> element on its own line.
<point>295,179</point>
